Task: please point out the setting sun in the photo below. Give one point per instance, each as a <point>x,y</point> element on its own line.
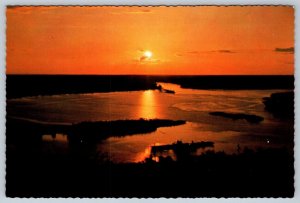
<point>148,54</point>
<point>187,40</point>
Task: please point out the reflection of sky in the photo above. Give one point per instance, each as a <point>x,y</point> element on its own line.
<point>186,104</point>
<point>147,105</point>
<point>191,105</point>
<point>57,138</point>
<point>136,148</point>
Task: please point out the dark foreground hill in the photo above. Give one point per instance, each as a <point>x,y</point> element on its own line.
<point>262,173</point>
<point>80,171</point>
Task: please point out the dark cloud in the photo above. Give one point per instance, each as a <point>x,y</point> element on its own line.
<point>143,58</point>
<point>179,54</point>
<point>285,50</point>
<point>226,51</point>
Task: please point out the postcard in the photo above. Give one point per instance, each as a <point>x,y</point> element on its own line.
<point>150,101</point>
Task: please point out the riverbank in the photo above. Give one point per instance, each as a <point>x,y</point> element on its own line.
<point>30,133</point>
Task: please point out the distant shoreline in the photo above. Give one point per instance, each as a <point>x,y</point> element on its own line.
<point>151,75</point>
<point>18,86</point>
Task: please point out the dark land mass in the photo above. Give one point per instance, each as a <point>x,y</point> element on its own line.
<point>237,116</point>
<point>232,82</point>
<point>161,89</point>
<point>261,173</point>
<point>281,105</point>
<point>33,171</point>
<point>182,151</point>
<point>85,134</point>
<point>33,85</point>
<point>179,146</point>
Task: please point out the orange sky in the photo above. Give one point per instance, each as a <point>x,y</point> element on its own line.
<point>204,40</point>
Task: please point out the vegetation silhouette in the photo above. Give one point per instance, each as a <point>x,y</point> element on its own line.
<point>260,173</point>
<point>80,133</point>
<point>232,82</point>
<point>82,172</point>
<point>237,116</point>
<point>281,105</point>
<point>181,150</point>
<point>32,85</point>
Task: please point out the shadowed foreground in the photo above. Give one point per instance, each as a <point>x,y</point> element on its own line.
<point>265,173</point>
<point>80,171</point>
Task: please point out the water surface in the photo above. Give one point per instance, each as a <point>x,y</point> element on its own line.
<point>187,104</point>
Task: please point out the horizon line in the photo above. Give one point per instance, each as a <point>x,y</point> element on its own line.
<point>35,74</point>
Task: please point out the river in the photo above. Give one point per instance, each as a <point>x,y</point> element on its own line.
<point>191,105</point>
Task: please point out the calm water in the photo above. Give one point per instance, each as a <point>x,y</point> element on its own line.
<point>187,104</point>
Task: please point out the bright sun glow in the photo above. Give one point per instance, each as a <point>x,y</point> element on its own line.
<point>148,54</point>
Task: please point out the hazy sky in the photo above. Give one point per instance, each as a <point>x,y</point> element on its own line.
<point>204,40</point>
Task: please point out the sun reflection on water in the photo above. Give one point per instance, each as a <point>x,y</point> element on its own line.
<point>148,105</point>
<point>143,155</point>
